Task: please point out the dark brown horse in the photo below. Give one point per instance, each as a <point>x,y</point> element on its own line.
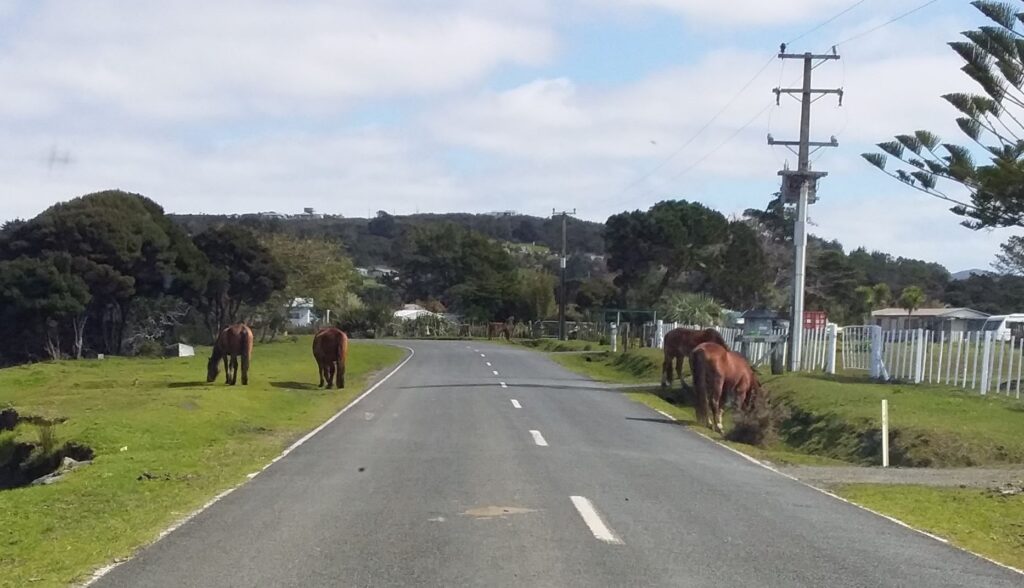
<point>717,372</point>
<point>678,345</point>
<point>234,343</point>
<point>501,329</point>
<point>330,349</point>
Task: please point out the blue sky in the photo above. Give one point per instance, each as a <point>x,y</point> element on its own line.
<point>454,105</point>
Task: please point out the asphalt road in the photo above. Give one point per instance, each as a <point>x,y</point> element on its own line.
<point>439,479</point>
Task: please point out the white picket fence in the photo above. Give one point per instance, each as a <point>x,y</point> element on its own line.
<point>974,360</point>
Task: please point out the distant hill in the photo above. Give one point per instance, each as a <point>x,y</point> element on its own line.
<point>370,241</point>
<point>964,274</point>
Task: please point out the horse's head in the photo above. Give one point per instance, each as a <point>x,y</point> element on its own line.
<point>212,368</point>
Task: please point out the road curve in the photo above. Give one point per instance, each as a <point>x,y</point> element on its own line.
<point>519,473</point>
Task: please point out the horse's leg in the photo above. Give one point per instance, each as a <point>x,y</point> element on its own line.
<point>715,396</point>
<point>234,370</point>
<point>329,370</point>
<point>341,374</point>
<point>666,371</point>
<point>245,369</point>
<point>320,371</point>
<point>227,369</point>
<point>679,372</point>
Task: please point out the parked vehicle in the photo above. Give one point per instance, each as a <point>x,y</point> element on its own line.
<point>1005,327</point>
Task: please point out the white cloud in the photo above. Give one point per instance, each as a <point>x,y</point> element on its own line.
<point>232,107</point>
<point>193,59</point>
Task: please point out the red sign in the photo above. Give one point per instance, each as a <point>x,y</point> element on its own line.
<point>815,319</point>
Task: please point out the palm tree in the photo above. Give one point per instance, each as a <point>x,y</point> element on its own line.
<point>911,299</point>
<point>691,309</point>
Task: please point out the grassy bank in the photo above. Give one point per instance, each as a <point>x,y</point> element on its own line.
<point>556,346</point>
<point>978,520</point>
<point>165,443</point>
<point>838,417</point>
<point>642,366</point>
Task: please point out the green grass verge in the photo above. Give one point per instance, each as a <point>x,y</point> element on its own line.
<point>636,367</point>
<point>973,519</point>
<point>556,346</point>
<point>156,417</point>
<point>776,453</point>
<point>839,417</point>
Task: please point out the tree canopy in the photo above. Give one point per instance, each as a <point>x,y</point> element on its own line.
<point>992,119</point>
<point>242,272</point>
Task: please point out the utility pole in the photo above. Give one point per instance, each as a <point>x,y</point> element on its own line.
<point>561,291</point>
<point>798,186</point>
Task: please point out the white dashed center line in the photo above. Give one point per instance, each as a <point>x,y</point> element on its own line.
<point>539,439</point>
<point>482,355</point>
<point>593,520</point>
<point>495,372</point>
<point>504,385</point>
<point>516,404</point>
<point>488,363</point>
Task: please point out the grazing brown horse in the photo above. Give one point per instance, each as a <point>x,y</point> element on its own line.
<point>234,343</point>
<point>678,345</point>
<point>716,372</point>
<point>501,329</point>
<point>330,349</point>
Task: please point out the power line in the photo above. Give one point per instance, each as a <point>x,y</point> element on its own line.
<point>829,21</point>
<point>887,23</point>
<point>700,131</point>
<point>643,176</point>
<point>722,144</point>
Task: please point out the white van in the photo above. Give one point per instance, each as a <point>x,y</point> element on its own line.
<point>1005,326</point>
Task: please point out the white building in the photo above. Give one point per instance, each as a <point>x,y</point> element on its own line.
<point>301,313</point>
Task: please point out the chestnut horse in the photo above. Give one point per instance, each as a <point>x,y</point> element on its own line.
<point>678,345</point>
<point>716,372</point>
<point>501,329</point>
<point>234,342</point>
<point>330,349</point>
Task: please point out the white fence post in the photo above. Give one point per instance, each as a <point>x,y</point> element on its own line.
<point>659,334</point>
<point>877,368</point>
<point>831,334</point>
<point>919,364</point>
<point>986,371</point>
<point>885,433</point>
<point>614,339</point>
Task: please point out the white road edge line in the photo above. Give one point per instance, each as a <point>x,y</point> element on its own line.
<point>95,577</point>
<point>841,499</point>
<point>495,372</point>
<point>539,439</point>
<point>594,521</point>
<point>516,404</point>
<point>503,384</point>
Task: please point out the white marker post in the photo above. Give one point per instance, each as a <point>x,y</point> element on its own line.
<point>885,433</point>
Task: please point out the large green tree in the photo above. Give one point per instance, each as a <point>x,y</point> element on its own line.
<point>243,272</point>
<point>123,246</point>
<point>991,119</point>
<point>39,298</point>
<point>314,268</point>
<point>1010,259</point>
<point>463,269</point>
<point>673,237</point>
<point>740,278</point>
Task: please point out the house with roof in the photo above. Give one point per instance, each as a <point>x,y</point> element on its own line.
<point>302,312</point>
<point>952,321</point>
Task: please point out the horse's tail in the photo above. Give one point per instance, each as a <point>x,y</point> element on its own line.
<point>342,350</point>
<point>698,365</point>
